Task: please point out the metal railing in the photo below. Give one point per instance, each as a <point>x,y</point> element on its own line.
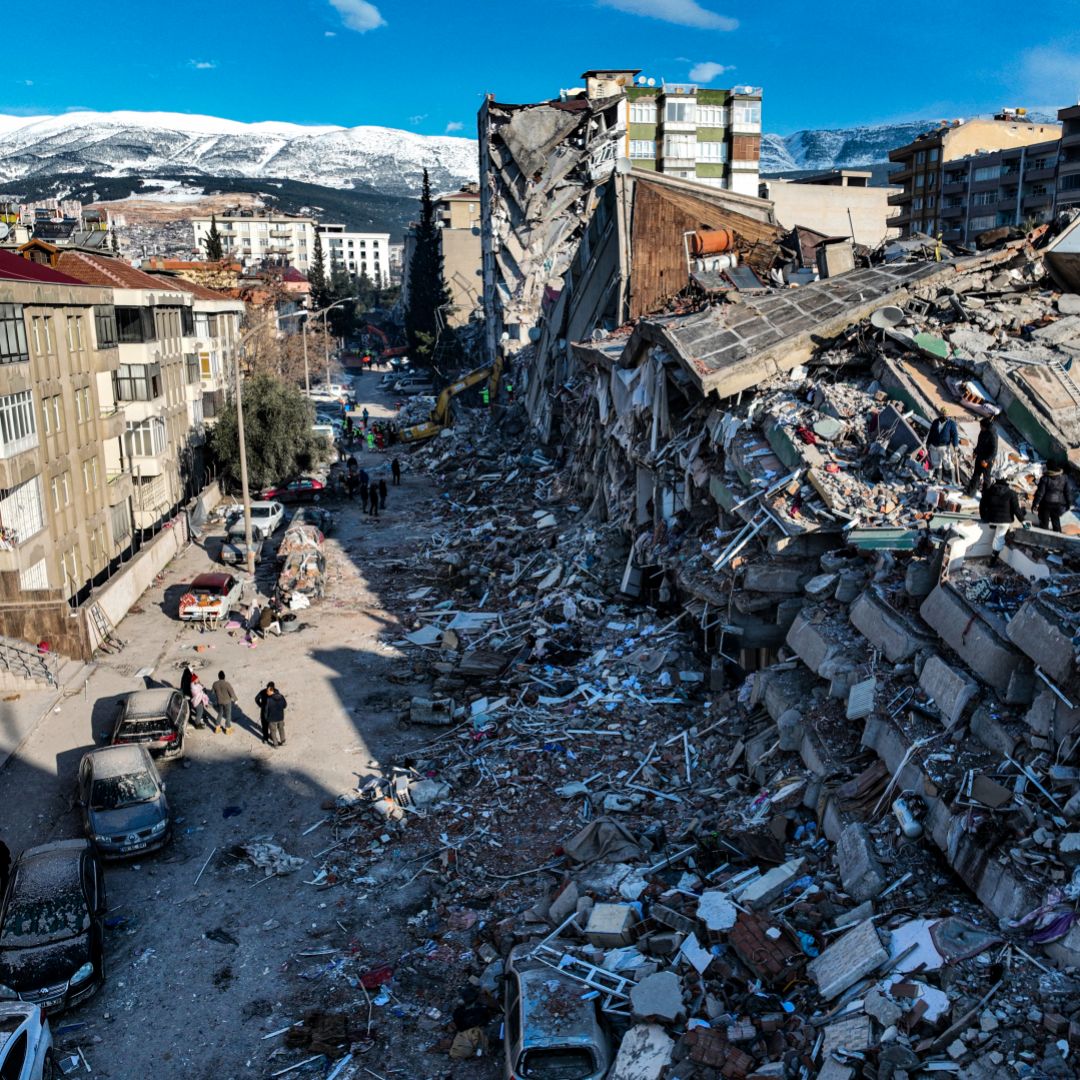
<point>26,662</point>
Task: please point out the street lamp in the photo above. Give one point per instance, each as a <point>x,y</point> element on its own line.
<point>244,489</point>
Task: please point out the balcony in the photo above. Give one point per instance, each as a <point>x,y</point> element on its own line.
<point>901,176</point>
<point>952,211</point>
<point>118,487</point>
<point>741,127</point>
<point>900,198</point>
<point>744,165</point>
<point>111,421</point>
<point>1034,175</point>
<point>956,188</point>
<point>1037,202</point>
<point>150,464</point>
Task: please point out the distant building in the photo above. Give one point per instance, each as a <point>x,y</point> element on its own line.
<point>457,214</point>
<point>696,133</point>
<point>835,203</point>
<point>1068,175</point>
<point>357,253</point>
<point>256,236</point>
<point>941,178</point>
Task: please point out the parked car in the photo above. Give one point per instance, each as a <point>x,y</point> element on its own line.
<point>329,392</point>
<point>265,519</point>
<point>156,718</point>
<point>551,1031</point>
<point>302,489</point>
<point>51,926</point>
<point>122,799</point>
<point>25,1043</point>
<point>234,552</point>
<point>209,596</point>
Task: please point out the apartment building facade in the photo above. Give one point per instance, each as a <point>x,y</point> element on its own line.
<point>65,516</point>
<point>255,236</point>
<point>1068,175</point>
<point>357,253</point>
<point>457,214</point>
<point>923,164</point>
<point>156,384</point>
<point>697,133</point>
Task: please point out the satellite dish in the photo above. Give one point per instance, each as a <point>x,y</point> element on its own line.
<point>642,80</point>
<point>652,82</point>
<point>5,228</point>
<point>623,165</point>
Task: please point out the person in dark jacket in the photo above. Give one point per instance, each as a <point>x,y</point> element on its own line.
<point>185,681</point>
<point>373,500</point>
<point>382,492</point>
<point>5,867</point>
<point>999,504</point>
<point>272,705</point>
<point>395,468</point>
<point>942,440</point>
<point>1052,498</point>
<point>986,447</point>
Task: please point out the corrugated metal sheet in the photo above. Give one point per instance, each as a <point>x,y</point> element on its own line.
<point>661,217</point>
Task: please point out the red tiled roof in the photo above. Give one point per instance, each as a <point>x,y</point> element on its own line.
<point>16,268</point>
<point>171,281</point>
<point>108,272</point>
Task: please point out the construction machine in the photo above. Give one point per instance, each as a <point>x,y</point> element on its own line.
<point>440,415</point>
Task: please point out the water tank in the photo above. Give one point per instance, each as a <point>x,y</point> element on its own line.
<point>712,242</point>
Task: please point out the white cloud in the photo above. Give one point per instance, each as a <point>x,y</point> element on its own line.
<point>1050,78</point>
<point>203,65</point>
<point>454,125</point>
<point>329,33</point>
<point>28,82</point>
<point>419,118</point>
<point>680,12</point>
<point>359,15</point>
<point>708,70</point>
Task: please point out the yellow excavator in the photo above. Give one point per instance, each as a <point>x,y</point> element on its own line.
<point>440,415</point>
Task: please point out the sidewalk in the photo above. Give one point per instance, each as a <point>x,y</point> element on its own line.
<point>21,711</point>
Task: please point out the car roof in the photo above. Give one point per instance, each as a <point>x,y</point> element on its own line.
<point>148,702</point>
<point>264,504</point>
<point>553,1012</point>
<point>211,581</point>
<point>55,865</point>
<point>111,761</point>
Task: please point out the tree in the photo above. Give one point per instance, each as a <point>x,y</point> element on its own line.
<point>114,242</point>
<point>277,433</point>
<point>212,242</point>
<point>317,275</point>
<point>427,289</point>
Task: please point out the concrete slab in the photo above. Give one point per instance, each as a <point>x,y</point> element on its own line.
<point>846,961</point>
<point>1037,631</point>
<point>950,688</point>
<point>885,628</point>
<point>644,1053</point>
<point>658,997</point>
<point>770,885</point>
<point>860,871</point>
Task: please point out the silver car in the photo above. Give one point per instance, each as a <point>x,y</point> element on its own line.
<point>550,1030</point>
<point>122,799</point>
<point>25,1042</point>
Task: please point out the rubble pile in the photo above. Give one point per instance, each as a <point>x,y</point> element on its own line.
<point>303,565</point>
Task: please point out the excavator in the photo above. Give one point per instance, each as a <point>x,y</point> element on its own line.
<point>440,415</point>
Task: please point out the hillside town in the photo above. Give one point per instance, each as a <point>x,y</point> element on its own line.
<point>623,625</point>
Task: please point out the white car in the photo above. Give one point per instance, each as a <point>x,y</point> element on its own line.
<point>330,392</point>
<point>266,517</point>
<point>25,1042</point>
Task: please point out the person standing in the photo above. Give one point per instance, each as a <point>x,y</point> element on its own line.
<point>382,492</point>
<point>942,440</point>
<point>1052,498</point>
<point>986,447</point>
<point>395,469</point>
<point>185,681</point>
<point>272,705</point>
<point>225,698</point>
<point>373,500</point>
<point>365,415</point>
<point>199,701</point>
<point>371,442</point>
<point>999,504</point>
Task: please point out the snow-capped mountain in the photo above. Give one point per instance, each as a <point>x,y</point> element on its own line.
<point>842,148</point>
<point>162,144</point>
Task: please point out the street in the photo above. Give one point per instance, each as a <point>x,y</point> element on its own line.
<point>198,974</point>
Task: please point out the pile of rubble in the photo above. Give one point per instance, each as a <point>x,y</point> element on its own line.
<point>303,565</point>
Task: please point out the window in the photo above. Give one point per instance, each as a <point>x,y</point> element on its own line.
<point>137,382</point>
<point>57,413</point>
<point>187,322</point>
<point>1038,189</point>
<point>712,151</point>
<point>642,148</point>
<point>920,158</point>
<point>987,172</point>
<point>54,487</point>
<point>206,369</point>
<point>86,477</point>
<point>679,112</point>
<point>12,334</point>
<point>712,116</point>
<point>146,438</point>
<point>746,112</point>
<point>1042,163</point>
<point>85,394</point>
<point>934,154</point>
<point>78,408</point>
<point>920,180</point>
<point>931,179</point>
<point>641,112</point>
<point>74,333</point>
<point>135,325</point>
<point>917,203</point>
<point>680,146</point>
<point>17,428</point>
<point>34,577</point>
<point>105,326</point>
<point>977,224</point>
<point>21,512</point>
<point>931,202</point>
<point>984,198</point>
<point>191,364</point>
<point>65,487</point>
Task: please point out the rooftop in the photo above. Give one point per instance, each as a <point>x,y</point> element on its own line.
<point>16,268</point>
<point>110,272</point>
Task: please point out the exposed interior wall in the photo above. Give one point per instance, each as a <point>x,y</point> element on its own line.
<point>825,209</point>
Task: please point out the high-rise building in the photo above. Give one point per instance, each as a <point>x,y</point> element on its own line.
<point>255,236</point>
<point>697,133</point>
<point>1068,173</point>
<point>357,253</point>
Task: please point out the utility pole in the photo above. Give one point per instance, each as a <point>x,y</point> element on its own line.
<point>244,490</point>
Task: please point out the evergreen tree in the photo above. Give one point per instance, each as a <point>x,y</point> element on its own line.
<point>427,290</point>
<point>317,276</point>
<point>212,241</point>
<point>114,242</point>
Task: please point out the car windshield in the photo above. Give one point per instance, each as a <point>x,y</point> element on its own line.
<point>557,1063</point>
<point>151,727</point>
<point>261,511</point>
<point>114,792</point>
<point>40,914</point>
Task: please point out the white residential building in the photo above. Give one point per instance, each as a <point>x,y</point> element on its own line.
<point>356,252</point>
<point>251,236</point>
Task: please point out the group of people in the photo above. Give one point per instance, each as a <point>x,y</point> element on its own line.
<point>270,701</point>
<point>376,435</point>
<point>999,504</point>
<point>373,493</point>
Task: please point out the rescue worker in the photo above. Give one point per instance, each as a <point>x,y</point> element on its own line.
<point>942,440</point>
<point>1052,498</point>
<point>986,447</point>
<point>999,504</point>
<point>485,395</point>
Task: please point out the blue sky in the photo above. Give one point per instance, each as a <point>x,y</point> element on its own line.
<point>426,66</point>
